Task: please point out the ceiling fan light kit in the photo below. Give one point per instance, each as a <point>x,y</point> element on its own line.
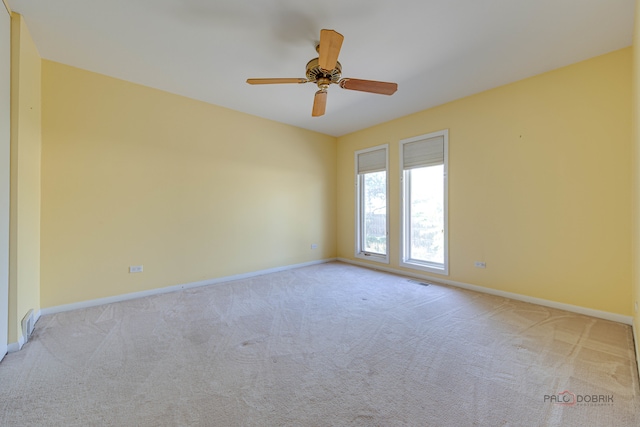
<point>326,70</point>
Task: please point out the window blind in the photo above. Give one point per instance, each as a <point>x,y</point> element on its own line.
<point>426,152</point>
<point>372,161</point>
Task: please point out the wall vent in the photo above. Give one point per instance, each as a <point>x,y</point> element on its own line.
<point>27,325</point>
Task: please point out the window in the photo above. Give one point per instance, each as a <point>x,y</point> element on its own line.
<point>423,165</point>
<point>372,210</point>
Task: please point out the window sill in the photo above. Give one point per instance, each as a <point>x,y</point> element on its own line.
<point>441,270</point>
<point>373,257</point>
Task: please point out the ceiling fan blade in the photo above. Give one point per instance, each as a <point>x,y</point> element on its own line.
<point>330,44</point>
<point>319,103</point>
<point>275,81</point>
<point>372,86</point>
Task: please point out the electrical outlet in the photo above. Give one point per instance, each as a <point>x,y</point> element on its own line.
<point>135,269</point>
<point>480,264</point>
<point>314,246</point>
<point>636,306</point>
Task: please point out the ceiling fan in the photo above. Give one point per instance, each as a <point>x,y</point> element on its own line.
<point>326,70</point>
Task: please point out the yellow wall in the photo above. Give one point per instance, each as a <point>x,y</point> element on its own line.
<point>133,175</point>
<point>24,252</point>
<point>5,172</point>
<point>636,178</point>
<point>539,184</point>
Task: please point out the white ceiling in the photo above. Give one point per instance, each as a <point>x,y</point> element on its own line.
<point>436,50</point>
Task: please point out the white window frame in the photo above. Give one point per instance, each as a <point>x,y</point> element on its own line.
<point>404,212</point>
<point>359,252</point>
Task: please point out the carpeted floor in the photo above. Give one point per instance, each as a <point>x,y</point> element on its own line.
<point>327,345</point>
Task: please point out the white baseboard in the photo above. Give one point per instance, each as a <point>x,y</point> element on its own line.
<point>17,346</point>
<point>627,320</point>
<point>636,348</point>
<point>141,294</point>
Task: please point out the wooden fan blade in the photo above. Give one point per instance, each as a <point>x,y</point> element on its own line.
<point>372,86</point>
<point>330,44</point>
<point>275,81</point>
<point>319,103</point>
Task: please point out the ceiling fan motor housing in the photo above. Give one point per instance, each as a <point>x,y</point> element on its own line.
<point>316,74</point>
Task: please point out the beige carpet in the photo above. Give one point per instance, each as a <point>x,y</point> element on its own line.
<point>327,345</point>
